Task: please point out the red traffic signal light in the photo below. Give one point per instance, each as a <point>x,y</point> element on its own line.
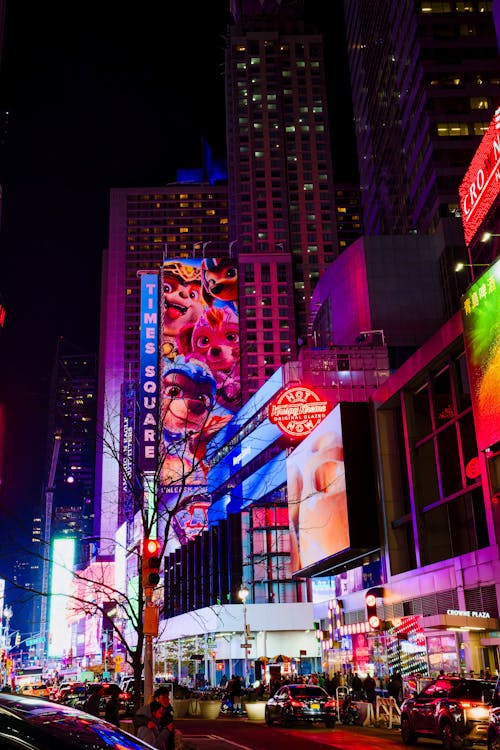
<point>150,563</point>
<point>371,597</point>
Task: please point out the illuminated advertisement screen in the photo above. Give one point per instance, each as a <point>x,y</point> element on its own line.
<point>331,491</point>
<point>481,184</point>
<point>201,385</point>
<point>62,563</point>
<point>481,322</point>
<point>317,501</point>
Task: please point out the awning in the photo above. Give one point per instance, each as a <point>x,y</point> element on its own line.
<point>460,622</point>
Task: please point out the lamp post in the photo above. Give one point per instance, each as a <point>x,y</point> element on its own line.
<point>243,594</point>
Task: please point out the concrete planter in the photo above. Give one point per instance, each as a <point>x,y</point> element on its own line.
<point>209,709</point>
<point>255,711</point>
<point>181,707</point>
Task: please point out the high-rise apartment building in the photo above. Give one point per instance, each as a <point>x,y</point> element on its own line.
<point>424,80</point>
<point>280,184</point>
<point>147,225</point>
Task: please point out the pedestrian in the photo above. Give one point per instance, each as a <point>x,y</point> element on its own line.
<point>356,686</point>
<point>236,694</point>
<point>369,686</point>
<point>153,731</point>
<point>93,703</point>
<point>112,710</point>
<point>395,688</point>
<point>144,715</point>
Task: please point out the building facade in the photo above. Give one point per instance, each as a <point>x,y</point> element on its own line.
<point>280,181</point>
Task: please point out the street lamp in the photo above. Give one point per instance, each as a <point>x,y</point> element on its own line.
<point>7,613</point>
<point>460,266</point>
<point>243,594</point>
<point>486,236</point>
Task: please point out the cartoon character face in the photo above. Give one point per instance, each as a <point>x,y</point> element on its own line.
<point>220,278</point>
<point>215,339</point>
<point>187,402</point>
<point>183,303</point>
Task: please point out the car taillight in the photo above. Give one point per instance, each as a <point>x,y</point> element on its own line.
<point>296,704</point>
<point>475,711</point>
<point>331,704</point>
<point>124,696</point>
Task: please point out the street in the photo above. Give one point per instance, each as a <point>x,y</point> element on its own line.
<point>223,734</point>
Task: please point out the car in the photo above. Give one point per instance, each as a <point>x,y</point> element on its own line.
<point>301,703</point>
<point>494,722</point>
<point>40,690</point>
<point>494,730</point>
<point>72,695</point>
<point>28,723</point>
<point>452,709</point>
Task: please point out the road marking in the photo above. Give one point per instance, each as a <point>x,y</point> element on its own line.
<point>214,737</point>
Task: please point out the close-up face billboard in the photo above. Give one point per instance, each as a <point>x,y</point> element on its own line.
<point>481,322</point>
<point>317,501</point>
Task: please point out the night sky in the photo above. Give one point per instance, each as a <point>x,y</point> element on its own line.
<point>100,95</point>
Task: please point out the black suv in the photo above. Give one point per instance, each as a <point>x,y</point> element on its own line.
<point>452,709</point>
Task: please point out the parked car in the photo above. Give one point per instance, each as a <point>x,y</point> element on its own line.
<point>494,722</point>
<point>36,724</point>
<point>40,690</point>
<point>450,709</point>
<point>301,703</point>
<point>494,730</point>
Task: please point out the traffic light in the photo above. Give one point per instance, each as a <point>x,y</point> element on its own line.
<point>150,563</point>
<point>371,597</point>
<point>18,639</point>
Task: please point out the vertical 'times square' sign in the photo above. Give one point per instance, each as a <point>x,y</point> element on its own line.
<point>148,389</point>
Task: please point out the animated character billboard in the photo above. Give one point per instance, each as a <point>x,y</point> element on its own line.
<point>481,323</point>
<point>200,366</point>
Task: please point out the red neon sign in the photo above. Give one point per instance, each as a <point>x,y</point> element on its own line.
<point>297,411</point>
<point>481,184</point>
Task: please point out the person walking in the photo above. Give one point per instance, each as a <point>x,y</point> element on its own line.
<point>112,710</point>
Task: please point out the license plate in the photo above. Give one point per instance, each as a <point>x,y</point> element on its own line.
<point>315,706</point>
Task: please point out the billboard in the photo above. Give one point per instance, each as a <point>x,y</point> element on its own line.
<point>481,323</point>
<point>200,368</point>
<point>481,184</point>
<point>63,560</point>
<point>331,492</point>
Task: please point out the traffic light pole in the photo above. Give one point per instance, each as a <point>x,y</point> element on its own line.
<point>148,649</point>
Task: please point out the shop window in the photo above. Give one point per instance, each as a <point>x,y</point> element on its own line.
<point>441,397</point>
<point>421,413</point>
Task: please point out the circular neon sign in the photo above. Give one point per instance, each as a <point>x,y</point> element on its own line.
<point>297,411</point>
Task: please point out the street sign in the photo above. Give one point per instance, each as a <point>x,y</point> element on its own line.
<point>246,645</point>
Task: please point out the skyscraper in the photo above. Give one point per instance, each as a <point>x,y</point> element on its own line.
<point>280,183</point>
<point>147,224</point>
<point>424,83</point>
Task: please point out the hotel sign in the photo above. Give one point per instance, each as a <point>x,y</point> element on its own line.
<point>481,184</point>
<point>297,411</point>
